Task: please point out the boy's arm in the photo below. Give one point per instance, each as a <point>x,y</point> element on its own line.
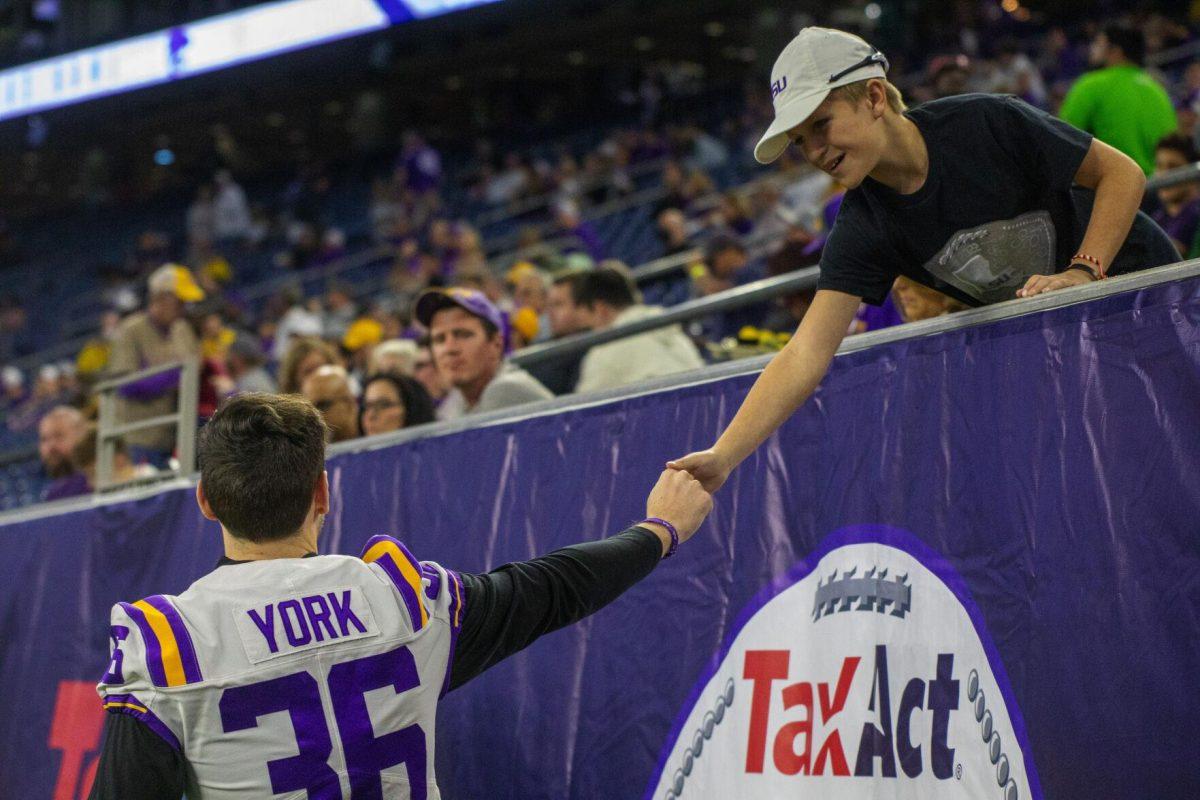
<point>782,387</point>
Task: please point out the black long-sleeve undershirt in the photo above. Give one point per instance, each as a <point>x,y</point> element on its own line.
<point>504,611</point>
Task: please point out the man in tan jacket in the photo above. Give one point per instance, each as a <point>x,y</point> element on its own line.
<point>159,335</point>
<point>608,298</point>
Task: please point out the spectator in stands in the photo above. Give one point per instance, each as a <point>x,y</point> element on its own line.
<point>46,394</point>
<point>16,339</point>
<point>359,342</point>
<point>469,339</point>
<point>1179,205</point>
<point>215,336</point>
<point>391,402</point>
<point>340,311</point>
<point>897,164</point>
<point>728,266</point>
<point>1015,73</point>
<point>673,230</point>
<point>301,319</point>
<point>159,335</point>
<point>949,75</point>
<point>201,217</point>
<point>571,223</point>
<point>676,235</point>
<point>916,302</point>
<point>421,163</point>
<point>1120,103</point>
<point>607,298</point>
<point>328,388</point>
<point>397,356</point>
<point>672,180</point>
<point>231,211</point>
<point>530,289</point>
<point>246,363</point>
<point>426,372</point>
<point>93,356</point>
<point>82,479</point>
<point>303,358</point>
<point>12,381</point>
<point>733,214</point>
<point>563,318</point>
<point>58,433</point>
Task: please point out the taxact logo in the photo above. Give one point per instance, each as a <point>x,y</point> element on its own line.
<point>865,673</point>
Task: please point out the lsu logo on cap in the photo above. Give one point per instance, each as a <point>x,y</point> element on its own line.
<point>867,660</point>
<point>777,87</point>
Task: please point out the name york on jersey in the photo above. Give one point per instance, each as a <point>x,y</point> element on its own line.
<point>303,622</point>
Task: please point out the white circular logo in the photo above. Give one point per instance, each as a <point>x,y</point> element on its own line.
<point>865,673</point>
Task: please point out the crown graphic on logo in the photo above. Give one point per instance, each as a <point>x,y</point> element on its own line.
<point>871,592</point>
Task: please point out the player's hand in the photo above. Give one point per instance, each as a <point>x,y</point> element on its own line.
<point>1040,284</point>
<point>680,500</point>
<point>705,466</point>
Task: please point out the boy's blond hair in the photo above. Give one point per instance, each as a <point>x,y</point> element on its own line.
<point>854,92</point>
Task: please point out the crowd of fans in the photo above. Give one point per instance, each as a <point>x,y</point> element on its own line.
<point>431,338</point>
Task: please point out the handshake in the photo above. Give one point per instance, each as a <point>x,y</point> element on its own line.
<point>680,499</point>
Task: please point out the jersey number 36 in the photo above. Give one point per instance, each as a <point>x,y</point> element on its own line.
<point>367,755</point>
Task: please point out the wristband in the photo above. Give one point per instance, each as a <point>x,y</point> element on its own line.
<point>1084,268</point>
<point>1098,271</point>
<point>670,529</point>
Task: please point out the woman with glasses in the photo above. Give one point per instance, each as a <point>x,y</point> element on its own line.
<point>391,402</point>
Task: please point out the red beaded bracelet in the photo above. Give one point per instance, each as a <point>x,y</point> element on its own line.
<point>1099,272</point>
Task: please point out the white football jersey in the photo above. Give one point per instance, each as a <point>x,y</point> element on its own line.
<point>292,678</point>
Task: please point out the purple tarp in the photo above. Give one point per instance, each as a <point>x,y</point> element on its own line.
<point>1052,460</point>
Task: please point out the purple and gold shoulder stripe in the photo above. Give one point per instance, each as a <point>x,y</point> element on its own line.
<point>433,581</point>
<point>170,656</point>
<point>405,572</point>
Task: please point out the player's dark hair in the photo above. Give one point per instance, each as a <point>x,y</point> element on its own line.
<point>607,285</point>
<point>1181,144</point>
<point>261,456</point>
<point>1130,40</point>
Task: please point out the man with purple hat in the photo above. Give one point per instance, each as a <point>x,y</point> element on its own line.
<point>469,339</point>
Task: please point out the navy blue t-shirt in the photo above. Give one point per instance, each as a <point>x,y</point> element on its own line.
<point>998,206</point>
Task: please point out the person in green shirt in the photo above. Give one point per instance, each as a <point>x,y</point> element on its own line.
<point>1120,104</point>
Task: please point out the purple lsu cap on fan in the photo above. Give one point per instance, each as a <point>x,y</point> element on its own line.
<point>472,301</point>
<point>815,62</point>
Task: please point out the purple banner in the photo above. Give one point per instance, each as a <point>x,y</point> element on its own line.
<point>969,567</point>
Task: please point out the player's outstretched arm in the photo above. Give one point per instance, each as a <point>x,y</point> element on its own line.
<point>782,387</point>
<point>507,609</point>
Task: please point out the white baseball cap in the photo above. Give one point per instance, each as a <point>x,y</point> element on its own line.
<point>813,63</point>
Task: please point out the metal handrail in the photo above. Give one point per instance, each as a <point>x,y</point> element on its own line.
<point>1187,50</point>
<point>109,428</point>
<point>960,321</point>
<point>1185,174</point>
<point>665,265</point>
<point>749,294</point>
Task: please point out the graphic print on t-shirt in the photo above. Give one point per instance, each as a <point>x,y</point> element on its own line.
<point>992,261</point>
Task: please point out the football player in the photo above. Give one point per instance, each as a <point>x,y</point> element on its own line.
<point>357,651</point>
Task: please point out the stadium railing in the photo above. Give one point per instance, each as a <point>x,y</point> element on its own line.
<point>1185,174</point>
<point>728,300</point>
<point>959,321</point>
<point>109,428</point>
